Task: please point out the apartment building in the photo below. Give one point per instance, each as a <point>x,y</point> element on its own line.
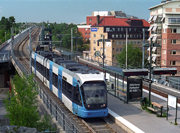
<point>165,30</point>
<point>90,20</point>
<point>115,30</point>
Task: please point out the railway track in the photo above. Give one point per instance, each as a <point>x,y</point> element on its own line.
<point>83,125</point>
<point>102,125</point>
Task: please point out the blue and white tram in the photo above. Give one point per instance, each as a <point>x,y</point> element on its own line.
<point>82,90</point>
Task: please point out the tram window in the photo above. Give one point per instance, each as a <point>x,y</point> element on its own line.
<point>67,89</point>
<point>38,66</point>
<point>32,62</point>
<point>41,69</point>
<point>77,97</point>
<point>55,77</point>
<point>64,86</point>
<point>82,92</point>
<point>47,74</point>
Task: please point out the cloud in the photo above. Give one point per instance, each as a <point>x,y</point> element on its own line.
<point>0,10</point>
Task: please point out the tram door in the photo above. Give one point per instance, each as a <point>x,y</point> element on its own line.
<point>50,75</point>
<point>50,79</point>
<point>60,87</point>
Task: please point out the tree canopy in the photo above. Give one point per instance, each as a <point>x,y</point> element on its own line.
<point>134,56</point>
<point>5,28</point>
<point>62,32</point>
<point>22,109</point>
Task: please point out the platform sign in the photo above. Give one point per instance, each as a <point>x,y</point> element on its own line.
<point>134,88</point>
<point>93,29</point>
<point>172,101</point>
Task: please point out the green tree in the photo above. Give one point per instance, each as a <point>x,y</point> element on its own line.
<point>21,104</point>
<point>11,20</point>
<point>134,56</point>
<point>22,108</point>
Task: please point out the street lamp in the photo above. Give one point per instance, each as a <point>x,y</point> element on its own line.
<point>103,55</point>
<point>150,45</point>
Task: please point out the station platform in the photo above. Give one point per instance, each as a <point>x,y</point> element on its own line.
<point>140,121</point>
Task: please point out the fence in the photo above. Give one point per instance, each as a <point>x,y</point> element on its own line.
<point>57,113</point>
<point>4,56</point>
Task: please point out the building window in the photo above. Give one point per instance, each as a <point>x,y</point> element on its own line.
<point>116,36</point>
<point>89,23</point>
<point>121,49</point>
<point>163,51</point>
<point>164,41</point>
<point>94,48</point>
<point>174,20</point>
<point>90,33</point>
<point>89,28</point>
<point>173,30</point>
<point>85,33</point>
<point>121,29</point>
<point>172,63</point>
<point>118,29</point>
<point>113,29</point>
<point>164,62</point>
<point>86,38</point>
<point>173,41</point>
<point>134,29</point>
<point>94,35</point>
<point>164,30</point>
<point>117,42</point>
<point>86,28</point>
<point>120,36</point>
<point>130,35</point>
<point>101,35</point>
<point>124,36</point>
<point>101,49</point>
<point>129,29</point>
<point>107,29</point>
<point>90,19</point>
<point>121,42</point>
<point>89,38</point>
<point>112,35</point>
<point>94,41</point>
<point>173,52</point>
<point>117,49</point>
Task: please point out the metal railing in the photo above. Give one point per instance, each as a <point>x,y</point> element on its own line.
<point>57,113</point>
<point>4,57</point>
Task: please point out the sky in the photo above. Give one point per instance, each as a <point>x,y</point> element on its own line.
<point>71,11</point>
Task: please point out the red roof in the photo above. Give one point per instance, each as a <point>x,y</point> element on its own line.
<point>107,21</point>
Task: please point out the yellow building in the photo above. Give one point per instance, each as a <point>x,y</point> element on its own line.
<point>115,30</point>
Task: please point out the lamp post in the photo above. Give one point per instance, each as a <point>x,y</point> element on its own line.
<point>150,64</point>
<point>103,55</point>
<point>126,45</point>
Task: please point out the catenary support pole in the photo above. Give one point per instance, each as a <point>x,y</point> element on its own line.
<point>71,40</point>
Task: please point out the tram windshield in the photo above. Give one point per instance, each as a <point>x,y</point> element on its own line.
<point>94,92</point>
